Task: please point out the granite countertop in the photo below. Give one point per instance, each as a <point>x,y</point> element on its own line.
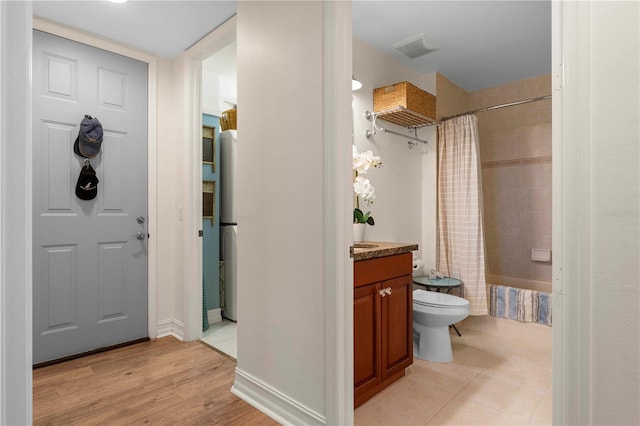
<point>372,249</point>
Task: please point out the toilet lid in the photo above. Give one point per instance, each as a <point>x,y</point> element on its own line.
<point>433,298</point>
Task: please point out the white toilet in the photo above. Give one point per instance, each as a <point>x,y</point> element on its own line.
<point>433,313</point>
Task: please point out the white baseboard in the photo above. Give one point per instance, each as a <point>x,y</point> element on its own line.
<point>214,315</point>
<point>171,327</point>
<point>273,403</point>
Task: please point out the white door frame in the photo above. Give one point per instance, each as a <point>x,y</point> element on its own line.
<point>152,150</point>
<point>15,213</point>
<point>192,134</point>
<point>571,187</point>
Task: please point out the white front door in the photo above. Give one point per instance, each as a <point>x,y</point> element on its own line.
<point>89,256</point>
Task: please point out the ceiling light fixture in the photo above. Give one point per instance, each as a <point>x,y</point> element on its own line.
<point>355,84</point>
<point>118,1</point>
<point>415,46</point>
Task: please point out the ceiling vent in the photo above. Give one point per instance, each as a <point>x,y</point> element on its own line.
<point>415,46</point>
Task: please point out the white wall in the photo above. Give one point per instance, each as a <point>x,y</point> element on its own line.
<point>219,80</point>
<point>280,269</point>
<point>615,203</point>
<point>170,238</point>
<point>217,90</point>
<point>400,184</point>
<point>429,183</point>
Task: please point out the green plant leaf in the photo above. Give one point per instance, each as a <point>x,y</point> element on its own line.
<point>358,216</point>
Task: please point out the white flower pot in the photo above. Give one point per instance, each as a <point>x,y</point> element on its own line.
<point>358,232</point>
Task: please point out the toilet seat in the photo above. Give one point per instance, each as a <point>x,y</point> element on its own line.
<point>438,300</point>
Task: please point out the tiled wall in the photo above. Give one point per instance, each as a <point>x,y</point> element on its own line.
<point>515,151</point>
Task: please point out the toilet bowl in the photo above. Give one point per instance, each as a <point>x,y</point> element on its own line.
<point>433,313</point>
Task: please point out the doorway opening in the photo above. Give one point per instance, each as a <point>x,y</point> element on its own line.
<point>219,224</point>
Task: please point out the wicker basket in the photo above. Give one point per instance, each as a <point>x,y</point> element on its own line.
<point>406,95</point>
<point>229,120</point>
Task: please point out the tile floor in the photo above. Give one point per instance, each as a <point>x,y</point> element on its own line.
<point>491,381</point>
<point>222,336</point>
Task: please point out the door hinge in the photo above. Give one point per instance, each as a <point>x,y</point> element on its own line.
<point>200,233</point>
<point>558,77</point>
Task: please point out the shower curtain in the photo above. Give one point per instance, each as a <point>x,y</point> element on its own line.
<point>460,234</point>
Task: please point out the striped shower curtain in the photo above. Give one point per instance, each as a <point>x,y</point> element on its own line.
<point>460,233</point>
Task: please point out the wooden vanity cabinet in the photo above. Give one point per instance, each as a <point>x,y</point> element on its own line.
<point>383,325</point>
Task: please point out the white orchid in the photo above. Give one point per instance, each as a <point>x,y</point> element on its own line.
<point>364,189</point>
<point>365,160</point>
<point>362,162</point>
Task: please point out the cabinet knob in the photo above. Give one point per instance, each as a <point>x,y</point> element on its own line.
<point>388,290</point>
<point>383,292</point>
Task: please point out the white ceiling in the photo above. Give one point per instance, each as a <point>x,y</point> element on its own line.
<point>482,43</point>
<point>163,28</point>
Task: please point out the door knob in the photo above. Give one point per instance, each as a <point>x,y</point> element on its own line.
<point>140,235</point>
<point>388,290</point>
<point>382,292</point>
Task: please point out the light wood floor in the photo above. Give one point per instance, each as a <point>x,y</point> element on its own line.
<point>160,382</point>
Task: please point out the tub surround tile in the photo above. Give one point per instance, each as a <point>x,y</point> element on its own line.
<point>516,160</point>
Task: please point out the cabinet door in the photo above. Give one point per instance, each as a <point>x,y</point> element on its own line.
<point>397,325</point>
<point>366,329</point>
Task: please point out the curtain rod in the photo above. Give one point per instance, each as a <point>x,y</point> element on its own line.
<point>525,101</point>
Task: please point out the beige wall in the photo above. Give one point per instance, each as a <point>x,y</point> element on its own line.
<point>397,208</point>
<point>451,99</point>
<point>515,151</point>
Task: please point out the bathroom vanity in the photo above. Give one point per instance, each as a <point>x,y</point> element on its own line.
<point>382,323</point>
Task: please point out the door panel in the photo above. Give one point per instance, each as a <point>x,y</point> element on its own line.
<point>61,287</point>
<point>89,270</point>
<point>58,164</point>
<point>397,320</point>
<point>366,327</point>
<point>112,177</point>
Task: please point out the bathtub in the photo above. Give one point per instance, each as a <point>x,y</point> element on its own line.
<point>502,325</point>
<point>543,286</point>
